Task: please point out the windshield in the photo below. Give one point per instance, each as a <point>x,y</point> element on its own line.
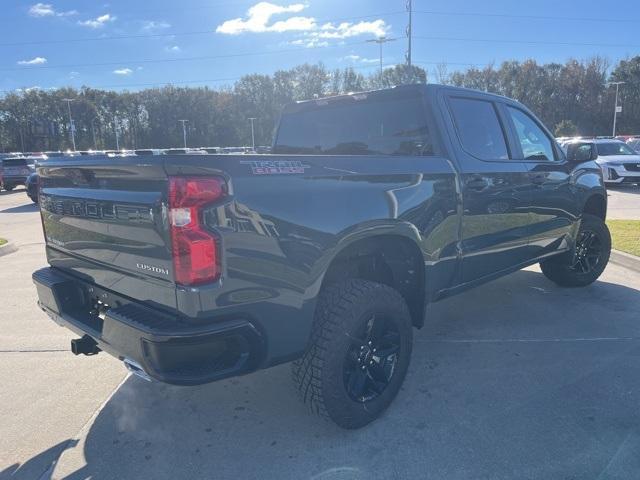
<point>371,127</point>
<point>614,148</point>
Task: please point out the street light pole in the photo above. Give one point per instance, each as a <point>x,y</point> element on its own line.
<point>115,127</point>
<point>253,136</point>
<point>184,131</point>
<point>409,33</point>
<point>615,111</point>
<point>93,131</point>
<point>72,127</point>
<point>380,41</point>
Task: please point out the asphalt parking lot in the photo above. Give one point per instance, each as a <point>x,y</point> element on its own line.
<point>518,379</point>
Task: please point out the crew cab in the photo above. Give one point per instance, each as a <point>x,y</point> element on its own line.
<point>326,252</point>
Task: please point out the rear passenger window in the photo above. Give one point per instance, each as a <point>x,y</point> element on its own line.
<point>534,142</point>
<point>479,129</point>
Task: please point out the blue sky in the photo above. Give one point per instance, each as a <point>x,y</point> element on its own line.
<point>69,42</point>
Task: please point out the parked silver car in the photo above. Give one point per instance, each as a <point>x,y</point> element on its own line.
<point>618,161</point>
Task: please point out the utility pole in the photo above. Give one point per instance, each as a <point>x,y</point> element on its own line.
<point>93,131</point>
<point>380,41</point>
<point>617,107</point>
<point>184,131</point>
<point>253,136</point>
<point>72,127</point>
<point>410,10</point>
<point>22,137</point>
<point>116,128</point>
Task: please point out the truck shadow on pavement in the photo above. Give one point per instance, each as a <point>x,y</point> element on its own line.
<point>35,467</point>
<point>516,379</point>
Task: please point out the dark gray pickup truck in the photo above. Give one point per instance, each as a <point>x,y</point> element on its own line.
<point>327,252</point>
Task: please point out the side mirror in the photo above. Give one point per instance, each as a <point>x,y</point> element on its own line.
<point>581,153</point>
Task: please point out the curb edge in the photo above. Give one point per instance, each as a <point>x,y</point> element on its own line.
<point>625,260</point>
<point>7,248</point>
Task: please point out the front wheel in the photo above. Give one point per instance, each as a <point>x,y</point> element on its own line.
<point>589,259</point>
<point>358,355</point>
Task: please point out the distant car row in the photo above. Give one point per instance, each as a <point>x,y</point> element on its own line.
<point>18,168</point>
<point>619,161</point>
<point>632,141</point>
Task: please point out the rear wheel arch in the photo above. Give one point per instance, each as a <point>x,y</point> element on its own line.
<point>394,260</point>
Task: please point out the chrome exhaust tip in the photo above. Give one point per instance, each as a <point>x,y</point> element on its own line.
<point>136,369</point>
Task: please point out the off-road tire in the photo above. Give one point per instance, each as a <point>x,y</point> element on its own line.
<point>562,270</point>
<point>343,310</point>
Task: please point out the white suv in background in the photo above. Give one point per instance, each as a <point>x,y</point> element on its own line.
<point>619,162</point>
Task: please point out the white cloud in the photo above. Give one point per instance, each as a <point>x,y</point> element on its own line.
<point>42,10</point>
<point>172,49</point>
<point>258,20</point>
<point>28,89</point>
<point>73,75</point>
<point>98,22</point>
<point>377,28</point>
<point>47,10</point>
<point>33,61</point>
<point>123,71</point>
<point>153,25</point>
<point>310,42</point>
<point>358,58</point>
<point>260,14</point>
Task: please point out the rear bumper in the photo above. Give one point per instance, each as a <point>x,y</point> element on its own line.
<point>164,346</point>
<point>14,179</point>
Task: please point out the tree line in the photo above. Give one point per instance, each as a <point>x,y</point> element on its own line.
<point>571,98</point>
<point>37,120</point>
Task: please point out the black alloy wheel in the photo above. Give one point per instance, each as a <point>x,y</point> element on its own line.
<point>371,360</point>
<point>587,253</point>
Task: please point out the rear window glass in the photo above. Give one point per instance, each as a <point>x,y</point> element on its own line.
<point>479,128</point>
<point>360,127</point>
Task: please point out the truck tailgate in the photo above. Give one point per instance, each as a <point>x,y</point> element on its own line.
<point>105,219</point>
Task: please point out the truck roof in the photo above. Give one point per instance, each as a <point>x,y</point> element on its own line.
<point>398,91</point>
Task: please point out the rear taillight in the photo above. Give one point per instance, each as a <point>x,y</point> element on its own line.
<point>195,250</point>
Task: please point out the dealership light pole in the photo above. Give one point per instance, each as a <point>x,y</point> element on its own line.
<point>380,41</point>
<point>116,127</point>
<point>618,108</point>
<point>72,127</point>
<point>184,131</point>
<point>253,136</point>
<point>93,131</point>
<point>408,32</point>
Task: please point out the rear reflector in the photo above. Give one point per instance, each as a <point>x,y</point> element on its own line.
<point>195,250</point>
